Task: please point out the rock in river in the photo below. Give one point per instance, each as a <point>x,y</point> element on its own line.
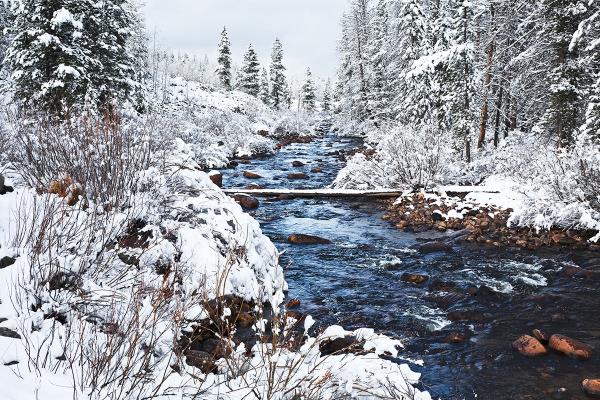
<point>298,175</point>
<point>414,278</point>
<point>570,347</point>
<point>298,238</point>
<point>433,247</point>
<point>591,387</point>
<point>529,346</point>
<point>216,177</point>
<point>247,202</point>
<point>251,175</point>
<point>297,164</point>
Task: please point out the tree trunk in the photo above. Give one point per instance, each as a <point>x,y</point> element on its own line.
<point>498,113</point>
<point>484,115</point>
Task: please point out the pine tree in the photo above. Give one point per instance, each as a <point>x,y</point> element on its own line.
<point>250,79</point>
<point>224,70</point>
<point>566,78</point>
<point>48,56</point>
<point>264,94</point>
<point>137,46</point>
<point>326,103</point>
<point>309,96</point>
<point>379,99</point>
<point>279,89</point>
<point>6,24</point>
<point>109,27</point>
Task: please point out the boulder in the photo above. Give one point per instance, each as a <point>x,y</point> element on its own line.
<point>529,346</point>
<point>297,175</point>
<point>298,238</point>
<point>293,303</point>
<point>541,336</point>
<point>466,315</point>
<point>414,278</point>
<point>591,387</point>
<point>316,170</point>
<point>251,175</point>
<point>345,345</point>
<point>216,177</point>
<point>455,338</point>
<point>245,320</point>
<point>570,347</point>
<point>297,164</point>
<point>247,202</point>
<point>7,262</point>
<point>434,247</point>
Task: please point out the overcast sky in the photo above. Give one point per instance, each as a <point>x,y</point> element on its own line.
<point>308,29</point>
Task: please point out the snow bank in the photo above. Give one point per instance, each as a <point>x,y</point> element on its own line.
<point>101,299</point>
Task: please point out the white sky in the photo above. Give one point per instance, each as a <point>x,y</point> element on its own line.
<point>308,29</point>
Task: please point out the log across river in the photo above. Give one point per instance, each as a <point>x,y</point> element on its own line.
<point>459,317</point>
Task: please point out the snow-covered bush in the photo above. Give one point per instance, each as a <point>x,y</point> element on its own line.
<point>406,157</point>
<point>294,124</point>
<point>218,125</point>
<point>96,153</point>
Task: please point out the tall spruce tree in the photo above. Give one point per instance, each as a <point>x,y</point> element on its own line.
<point>566,78</point>
<point>326,102</point>
<point>279,89</point>
<point>308,95</point>
<point>224,60</point>
<point>250,79</point>
<point>6,24</point>
<point>50,55</point>
<point>264,94</point>
<point>109,26</point>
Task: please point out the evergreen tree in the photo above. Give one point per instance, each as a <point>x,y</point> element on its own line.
<point>224,70</point>
<point>264,94</point>
<point>308,95</point>
<point>49,60</point>
<point>327,97</point>
<point>279,89</point>
<point>109,26</point>
<point>566,78</point>
<point>138,48</point>
<point>6,24</point>
<point>250,79</point>
<point>379,99</point>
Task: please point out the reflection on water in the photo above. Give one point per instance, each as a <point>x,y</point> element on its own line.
<point>492,295</point>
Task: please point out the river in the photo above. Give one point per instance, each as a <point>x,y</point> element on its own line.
<point>499,294</point>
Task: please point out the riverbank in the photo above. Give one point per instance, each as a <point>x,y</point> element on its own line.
<point>485,224</point>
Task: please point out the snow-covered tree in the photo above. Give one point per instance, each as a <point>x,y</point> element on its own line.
<point>250,73</point>
<point>109,26</point>
<point>566,78</point>
<point>326,102</point>
<point>308,94</point>
<point>279,87</point>
<point>50,55</point>
<point>265,93</point>
<point>6,24</point>
<point>224,60</point>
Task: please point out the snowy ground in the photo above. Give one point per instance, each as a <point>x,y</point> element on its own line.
<point>96,300</point>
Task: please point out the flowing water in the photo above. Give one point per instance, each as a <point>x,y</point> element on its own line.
<point>355,282</point>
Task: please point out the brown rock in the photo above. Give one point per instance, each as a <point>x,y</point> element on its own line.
<point>216,177</point>
<point>247,202</point>
<point>251,175</point>
<point>293,303</point>
<point>254,186</point>
<point>529,346</point>
<point>570,347</point>
<point>455,337</point>
<point>414,278</point>
<point>433,247</point>
<point>573,271</point>
<point>591,387</point>
<point>245,320</point>
<point>298,238</point>
<point>316,170</point>
<point>297,175</point>
<point>466,315</point>
<point>345,345</point>
<point>297,164</point>
<point>541,336</point>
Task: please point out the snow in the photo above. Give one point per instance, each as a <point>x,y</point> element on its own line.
<point>205,225</point>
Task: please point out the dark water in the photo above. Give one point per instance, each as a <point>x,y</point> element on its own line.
<point>355,282</point>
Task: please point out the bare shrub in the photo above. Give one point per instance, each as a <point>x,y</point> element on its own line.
<point>101,153</point>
